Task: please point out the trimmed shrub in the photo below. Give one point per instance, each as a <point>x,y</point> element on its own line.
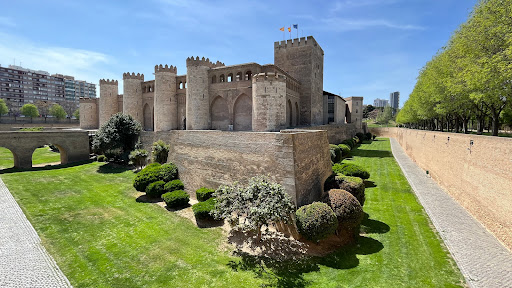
<point>349,169</point>
<point>202,210</point>
<point>337,153</point>
<point>146,176</point>
<point>168,172</point>
<point>374,136</point>
<point>349,142</point>
<point>331,183</point>
<point>316,221</point>
<point>347,210</point>
<point>175,199</point>
<point>345,150</point>
<point>368,136</point>
<point>155,189</point>
<point>160,152</point>
<point>203,194</point>
<point>353,185</point>
<point>356,140</point>
<point>174,185</point>
<point>360,136</point>
<point>101,158</point>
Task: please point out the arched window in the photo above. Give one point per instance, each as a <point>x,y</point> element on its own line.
<point>214,79</point>
<point>248,75</point>
<point>239,76</point>
<point>230,77</point>
<point>221,78</point>
<point>185,85</point>
<point>181,85</point>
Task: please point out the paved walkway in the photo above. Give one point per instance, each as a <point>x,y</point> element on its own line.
<point>23,260</point>
<point>483,260</point>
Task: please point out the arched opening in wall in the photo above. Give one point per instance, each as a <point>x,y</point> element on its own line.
<point>7,158</point>
<point>148,118</point>
<point>230,77</point>
<point>220,114</point>
<point>185,85</point>
<point>239,76</point>
<point>222,78</point>
<point>181,85</point>
<point>297,122</point>
<point>214,79</point>
<point>47,155</point>
<point>242,113</point>
<point>248,75</point>
<point>289,117</point>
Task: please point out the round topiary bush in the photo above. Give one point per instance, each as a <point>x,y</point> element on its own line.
<point>203,194</point>
<point>347,210</point>
<point>368,136</point>
<point>345,150</point>
<point>146,176</point>
<point>155,189</point>
<point>316,221</point>
<point>356,140</point>
<point>360,136</point>
<point>168,172</point>
<point>349,169</point>
<point>202,209</point>
<point>176,199</point>
<point>337,153</point>
<point>353,185</point>
<point>174,185</point>
<point>349,143</point>
<point>101,158</point>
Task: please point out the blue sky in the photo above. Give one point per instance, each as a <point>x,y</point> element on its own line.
<point>372,47</point>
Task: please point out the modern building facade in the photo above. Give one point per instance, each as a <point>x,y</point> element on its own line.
<point>394,100</point>
<point>20,86</point>
<point>380,103</point>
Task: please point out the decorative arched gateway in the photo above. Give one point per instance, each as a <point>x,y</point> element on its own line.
<point>289,112</point>
<point>242,113</point>
<point>219,114</point>
<point>148,118</point>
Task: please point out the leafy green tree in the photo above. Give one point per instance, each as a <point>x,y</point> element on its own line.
<point>367,109</point>
<point>160,152</point>
<point>3,108</point>
<point>57,111</point>
<point>138,158</point>
<point>385,116</point>
<point>117,138</point>
<point>76,114</point>
<point>29,110</point>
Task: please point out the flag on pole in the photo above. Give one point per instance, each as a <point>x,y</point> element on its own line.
<point>296,26</point>
<point>289,29</point>
<point>281,29</point>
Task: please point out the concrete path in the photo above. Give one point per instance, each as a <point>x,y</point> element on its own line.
<point>23,260</point>
<point>483,260</point>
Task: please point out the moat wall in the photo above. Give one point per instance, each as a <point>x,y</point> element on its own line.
<point>477,175</point>
<point>299,160</point>
<point>336,133</point>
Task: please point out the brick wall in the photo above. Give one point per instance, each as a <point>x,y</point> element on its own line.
<point>478,176</point>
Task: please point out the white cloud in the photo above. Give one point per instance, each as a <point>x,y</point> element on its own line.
<point>348,4</point>
<point>82,64</point>
<point>345,24</point>
<point>6,21</point>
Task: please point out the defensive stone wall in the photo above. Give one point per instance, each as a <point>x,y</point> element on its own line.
<point>132,96</point>
<point>298,160</point>
<point>166,101</point>
<point>269,102</point>
<point>337,133</point>
<point>475,170</point>
<point>198,98</point>
<point>108,105</point>
<point>89,113</point>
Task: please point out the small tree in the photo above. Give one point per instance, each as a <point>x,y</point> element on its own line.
<point>3,108</point>
<point>139,157</point>
<point>261,203</point>
<point>44,108</point>
<point>160,152</point>
<point>57,111</point>
<point>76,114</point>
<point>119,135</point>
<point>29,110</point>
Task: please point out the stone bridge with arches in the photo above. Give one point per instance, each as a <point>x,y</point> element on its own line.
<point>73,145</point>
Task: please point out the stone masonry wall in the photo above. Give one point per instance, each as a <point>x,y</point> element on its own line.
<point>337,133</point>
<point>477,175</point>
<point>298,161</point>
<point>108,105</point>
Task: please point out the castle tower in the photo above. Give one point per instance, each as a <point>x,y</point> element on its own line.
<point>165,99</point>
<point>304,60</point>
<point>268,102</point>
<point>89,113</point>
<point>132,96</point>
<point>198,98</point>
<point>108,100</point>
<point>355,110</point>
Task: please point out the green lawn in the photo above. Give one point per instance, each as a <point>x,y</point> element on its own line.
<point>41,156</point>
<point>100,236</point>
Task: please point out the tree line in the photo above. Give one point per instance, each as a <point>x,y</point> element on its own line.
<point>469,81</point>
<point>40,108</point>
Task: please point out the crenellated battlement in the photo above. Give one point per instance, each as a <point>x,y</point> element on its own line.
<point>191,61</point>
<point>296,42</point>
<point>268,76</point>
<point>137,76</point>
<point>88,100</point>
<point>166,68</point>
<point>108,82</point>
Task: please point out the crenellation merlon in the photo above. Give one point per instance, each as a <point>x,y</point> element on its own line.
<point>137,76</point>
<point>268,76</point>
<point>166,68</point>
<point>108,82</point>
<point>88,100</point>
<point>191,61</point>
<point>296,42</point>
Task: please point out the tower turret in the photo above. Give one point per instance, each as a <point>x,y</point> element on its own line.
<point>108,100</point>
<point>89,113</point>
<point>132,96</point>
<point>165,99</point>
<point>268,102</point>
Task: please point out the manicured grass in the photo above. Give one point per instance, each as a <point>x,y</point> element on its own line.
<point>41,156</point>
<point>100,236</point>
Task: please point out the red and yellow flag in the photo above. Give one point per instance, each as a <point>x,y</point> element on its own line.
<point>281,29</point>
<point>289,29</point>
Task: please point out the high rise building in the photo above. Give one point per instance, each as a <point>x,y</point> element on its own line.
<point>380,103</point>
<point>394,100</point>
<point>20,86</point>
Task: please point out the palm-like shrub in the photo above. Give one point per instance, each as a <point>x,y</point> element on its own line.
<point>316,221</point>
<point>160,152</point>
<point>138,157</point>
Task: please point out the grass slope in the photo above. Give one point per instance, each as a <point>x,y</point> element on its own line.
<point>40,156</point>
<point>100,236</point>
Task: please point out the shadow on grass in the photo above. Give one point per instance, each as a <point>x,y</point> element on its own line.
<point>112,168</point>
<point>145,199</point>
<point>174,209</point>
<point>44,168</point>
<point>209,223</point>
<point>371,153</point>
<point>290,273</point>
<point>369,184</point>
<point>369,226</point>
